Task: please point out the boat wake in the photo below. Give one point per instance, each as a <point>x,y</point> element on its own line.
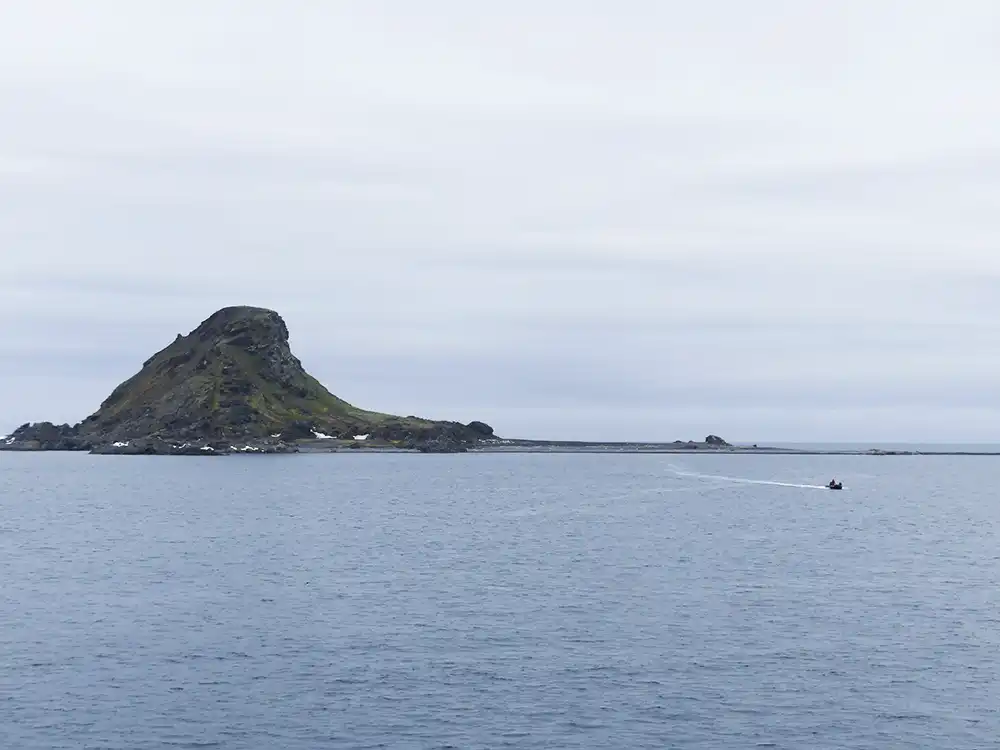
<point>745,480</point>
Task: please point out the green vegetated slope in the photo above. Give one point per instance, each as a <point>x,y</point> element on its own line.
<point>235,375</point>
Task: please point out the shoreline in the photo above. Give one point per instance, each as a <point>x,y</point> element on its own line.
<point>494,446</point>
<point>596,448</point>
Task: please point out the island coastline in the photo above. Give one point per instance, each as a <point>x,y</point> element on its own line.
<point>233,386</point>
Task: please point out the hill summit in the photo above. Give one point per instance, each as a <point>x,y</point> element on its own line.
<point>233,380</point>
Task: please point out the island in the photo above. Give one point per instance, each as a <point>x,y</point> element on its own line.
<point>232,385</point>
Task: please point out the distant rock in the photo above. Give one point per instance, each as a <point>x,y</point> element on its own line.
<point>481,428</point>
<point>232,385</point>
<point>716,441</point>
<point>45,436</point>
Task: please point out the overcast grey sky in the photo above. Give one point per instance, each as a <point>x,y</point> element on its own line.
<point>643,219</point>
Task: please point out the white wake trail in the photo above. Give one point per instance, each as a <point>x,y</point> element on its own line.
<point>744,480</point>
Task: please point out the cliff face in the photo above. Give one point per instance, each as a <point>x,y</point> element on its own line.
<point>233,378</point>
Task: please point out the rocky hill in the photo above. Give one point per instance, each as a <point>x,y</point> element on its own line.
<point>233,384</point>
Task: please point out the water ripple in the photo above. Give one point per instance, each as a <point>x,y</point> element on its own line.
<point>501,601</point>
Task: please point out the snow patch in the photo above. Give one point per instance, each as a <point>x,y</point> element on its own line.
<point>121,444</point>
<point>9,441</point>
<point>361,437</point>
<point>322,436</point>
<point>245,449</point>
<point>207,448</point>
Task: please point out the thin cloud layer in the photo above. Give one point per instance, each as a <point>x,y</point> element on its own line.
<point>768,221</point>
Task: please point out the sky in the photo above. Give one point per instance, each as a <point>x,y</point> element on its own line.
<point>640,220</point>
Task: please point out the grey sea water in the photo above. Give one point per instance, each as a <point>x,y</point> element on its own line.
<point>490,601</point>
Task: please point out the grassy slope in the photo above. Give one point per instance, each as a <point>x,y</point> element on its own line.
<point>172,382</point>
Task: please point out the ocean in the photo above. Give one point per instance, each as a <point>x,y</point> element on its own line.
<point>499,601</point>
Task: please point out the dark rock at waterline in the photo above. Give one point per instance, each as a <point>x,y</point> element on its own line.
<point>444,440</point>
<point>159,447</point>
<point>45,436</point>
<point>441,445</point>
<point>716,441</point>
